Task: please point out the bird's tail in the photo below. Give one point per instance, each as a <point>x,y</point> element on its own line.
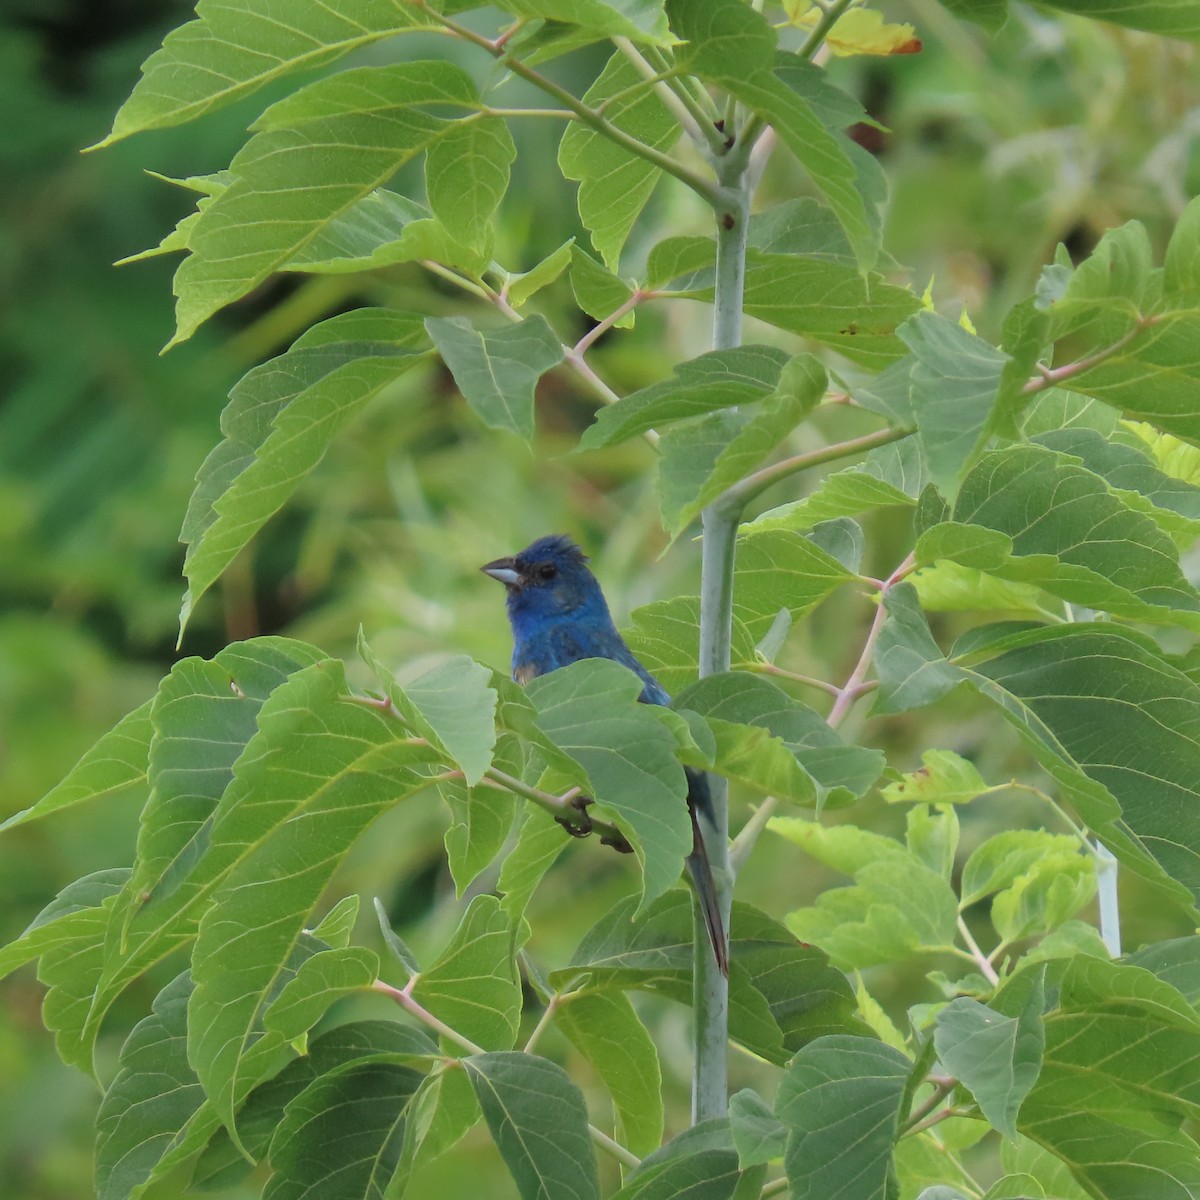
<point>701,870</point>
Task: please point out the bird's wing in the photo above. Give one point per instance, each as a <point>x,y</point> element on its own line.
<point>574,644</point>
<point>568,645</point>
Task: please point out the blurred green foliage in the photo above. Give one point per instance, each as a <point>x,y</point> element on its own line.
<point>996,150</point>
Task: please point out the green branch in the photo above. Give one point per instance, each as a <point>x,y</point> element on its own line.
<point>829,18</point>
<point>403,997</point>
<point>741,493</point>
<point>592,117</point>
<point>710,989</point>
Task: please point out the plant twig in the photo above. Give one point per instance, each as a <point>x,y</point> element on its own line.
<point>855,685</point>
<point>942,1088</point>
<point>403,997</point>
<point>754,485</point>
<point>1048,377</point>
<point>675,96</point>
<point>542,1025</point>
<point>562,808</point>
<point>766,668</point>
<point>977,955</point>
<point>585,113</point>
<point>602,327</point>
<point>829,18</point>
<point>748,835</point>
<point>571,358</point>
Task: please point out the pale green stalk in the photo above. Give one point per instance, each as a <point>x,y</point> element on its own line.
<point>710,1086</point>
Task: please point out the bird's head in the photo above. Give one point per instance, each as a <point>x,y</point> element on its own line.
<point>548,578</point>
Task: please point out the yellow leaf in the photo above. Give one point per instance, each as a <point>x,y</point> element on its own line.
<point>859,31</point>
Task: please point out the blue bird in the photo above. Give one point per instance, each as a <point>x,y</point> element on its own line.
<point>558,616</point>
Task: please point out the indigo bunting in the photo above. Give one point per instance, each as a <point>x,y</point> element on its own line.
<point>558,616</point>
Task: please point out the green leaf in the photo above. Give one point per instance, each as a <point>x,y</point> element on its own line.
<point>606,1030</point>
<point>466,176</point>
<point>356,128</point>
<point>1177,961</point>
<point>403,955</point>
<point>842,1098</point>
<point>481,819</point>
<point>955,383</point>
<point>912,671</point>
<point>1025,1156</point>
<point>782,994</point>
<point>285,821</point>
<point>626,760</point>
<point>473,986</point>
<point>802,276</point>
<point>948,586</point>
<point>151,1098</point>
<point>639,20</point>
<point>1149,372</point>
<point>342,1135</point>
<point>991,14</point>
<point>1176,18</point>
<point>452,705</point>
<point>336,926</point>
<point>278,424</point>
<point>539,1124</point>
<point>733,46</point>
<point>381,230</point>
<point>665,639</point>
<point>597,290</point>
<point>1172,504</point>
<point>539,843</point>
<point>781,569</point>
<point>497,370</point>
<point>203,716</point>
<point>1042,898</point>
<point>1119,1074</point>
<point>117,761</point>
<point>1071,535</point>
<point>78,913</point>
<point>757,1133</point>
<point>898,906</point>
<point>735,704</point>
<point>614,183</point>
<point>995,1057</point>
<point>829,302</point>
<point>321,979</point>
<point>847,493</point>
<point>713,381</point>
<point>698,461</point>
<point>442,1112</point>
<point>1111,721</point>
<point>232,49</point>
<point>1111,282</point>
<point>524,286</point>
<point>699,1164</point>
<point>1003,858</point>
<point>1181,267</point>
<point>932,835</point>
<point>943,778</point>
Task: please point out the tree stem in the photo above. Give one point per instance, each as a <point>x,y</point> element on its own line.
<point>710,1089</point>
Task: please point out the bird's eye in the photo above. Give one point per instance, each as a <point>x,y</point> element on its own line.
<point>547,571</point>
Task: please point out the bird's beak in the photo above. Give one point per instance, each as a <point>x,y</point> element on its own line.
<point>503,569</point>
